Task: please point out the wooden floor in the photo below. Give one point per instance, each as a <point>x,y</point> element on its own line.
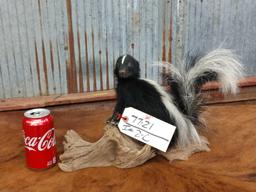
<point>230,166</point>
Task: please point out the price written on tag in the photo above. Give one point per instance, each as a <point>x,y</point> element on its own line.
<point>146,128</point>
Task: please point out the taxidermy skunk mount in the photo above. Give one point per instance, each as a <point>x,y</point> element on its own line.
<point>181,106</point>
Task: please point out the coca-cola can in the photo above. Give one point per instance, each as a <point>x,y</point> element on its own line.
<point>39,139</point>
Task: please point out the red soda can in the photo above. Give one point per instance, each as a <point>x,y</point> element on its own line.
<point>39,139</point>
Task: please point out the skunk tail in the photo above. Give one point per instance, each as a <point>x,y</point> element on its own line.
<point>186,81</point>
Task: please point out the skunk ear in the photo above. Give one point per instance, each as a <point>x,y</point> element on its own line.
<point>118,60</point>
<point>116,68</point>
<point>138,65</point>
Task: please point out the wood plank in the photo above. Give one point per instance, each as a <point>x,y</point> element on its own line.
<point>43,101</point>
<point>215,97</point>
<point>246,82</point>
<point>210,93</point>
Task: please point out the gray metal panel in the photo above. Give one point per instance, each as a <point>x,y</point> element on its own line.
<point>69,46</point>
<point>220,23</point>
<point>64,46</point>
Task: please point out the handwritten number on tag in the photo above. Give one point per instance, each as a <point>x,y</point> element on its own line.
<point>146,128</point>
<point>146,124</point>
<point>135,117</point>
<point>140,120</point>
<point>138,133</point>
<point>143,123</point>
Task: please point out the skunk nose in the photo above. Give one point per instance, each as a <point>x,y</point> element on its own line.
<point>122,73</point>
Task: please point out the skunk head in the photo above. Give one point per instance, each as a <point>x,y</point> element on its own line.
<point>127,67</point>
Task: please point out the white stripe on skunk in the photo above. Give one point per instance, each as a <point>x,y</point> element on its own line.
<point>186,130</point>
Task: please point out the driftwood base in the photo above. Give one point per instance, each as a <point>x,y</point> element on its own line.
<point>116,149</point>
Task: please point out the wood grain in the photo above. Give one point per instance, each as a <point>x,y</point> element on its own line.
<point>229,166</point>
<point>210,93</point>
<point>43,101</point>
<point>246,82</point>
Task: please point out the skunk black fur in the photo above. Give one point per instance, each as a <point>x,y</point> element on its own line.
<point>134,92</point>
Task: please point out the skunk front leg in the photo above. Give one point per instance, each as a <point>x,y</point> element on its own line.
<point>119,108</point>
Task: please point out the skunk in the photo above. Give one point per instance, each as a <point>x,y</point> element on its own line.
<point>142,94</point>
<point>181,106</point>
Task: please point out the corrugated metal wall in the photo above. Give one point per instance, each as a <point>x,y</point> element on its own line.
<point>209,24</point>
<point>68,46</point>
<point>64,46</point>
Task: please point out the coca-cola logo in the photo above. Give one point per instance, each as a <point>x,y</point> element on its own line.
<point>41,143</point>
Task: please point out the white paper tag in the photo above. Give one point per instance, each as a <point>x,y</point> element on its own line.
<point>146,128</point>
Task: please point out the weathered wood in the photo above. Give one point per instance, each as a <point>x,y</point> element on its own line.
<point>246,82</point>
<point>210,93</point>
<point>229,166</point>
<point>44,101</point>
<point>214,96</point>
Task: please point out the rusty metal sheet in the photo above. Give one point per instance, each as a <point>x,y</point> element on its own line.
<point>64,46</point>
<point>70,46</point>
<point>208,25</point>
